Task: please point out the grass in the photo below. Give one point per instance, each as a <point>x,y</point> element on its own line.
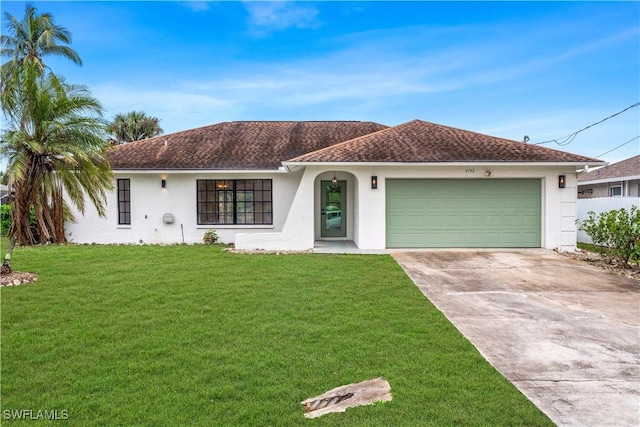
<point>588,247</point>
<point>192,335</point>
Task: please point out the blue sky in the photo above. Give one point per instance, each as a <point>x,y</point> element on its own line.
<point>542,69</point>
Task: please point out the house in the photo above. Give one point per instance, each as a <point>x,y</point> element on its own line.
<point>286,185</point>
<point>4,194</point>
<point>615,180</point>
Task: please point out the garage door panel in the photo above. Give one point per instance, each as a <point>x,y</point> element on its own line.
<point>463,213</point>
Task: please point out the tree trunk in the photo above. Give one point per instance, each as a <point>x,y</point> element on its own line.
<point>21,221</point>
<point>57,216</point>
<point>25,194</point>
<point>6,263</point>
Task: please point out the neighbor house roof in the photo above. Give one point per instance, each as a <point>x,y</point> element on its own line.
<point>237,145</point>
<point>629,169</point>
<point>423,142</point>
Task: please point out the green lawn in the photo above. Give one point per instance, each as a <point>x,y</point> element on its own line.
<point>192,335</point>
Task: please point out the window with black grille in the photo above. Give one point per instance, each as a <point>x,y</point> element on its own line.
<point>235,201</point>
<point>124,201</point>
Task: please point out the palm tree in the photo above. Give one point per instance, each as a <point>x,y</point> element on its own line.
<point>26,42</point>
<point>54,139</point>
<point>133,126</point>
<point>36,36</point>
<point>54,142</point>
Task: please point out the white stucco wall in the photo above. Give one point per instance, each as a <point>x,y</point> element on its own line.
<point>149,202</point>
<point>558,205</point>
<point>367,206</point>
<point>297,206</point>
<point>298,230</point>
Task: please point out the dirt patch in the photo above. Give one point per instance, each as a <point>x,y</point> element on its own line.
<point>593,258</point>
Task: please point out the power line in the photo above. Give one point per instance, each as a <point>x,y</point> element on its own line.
<point>621,145</point>
<point>569,138</point>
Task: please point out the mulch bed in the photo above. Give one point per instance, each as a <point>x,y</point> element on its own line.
<point>631,271</point>
<point>17,278</point>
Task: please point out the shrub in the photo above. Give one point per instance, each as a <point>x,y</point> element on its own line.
<point>616,233</point>
<point>210,237</point>
<point>5,219</point>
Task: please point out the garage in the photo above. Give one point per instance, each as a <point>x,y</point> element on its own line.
<point>463,213</point>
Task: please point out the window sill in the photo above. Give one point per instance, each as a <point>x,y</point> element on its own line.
<point>123,226</point>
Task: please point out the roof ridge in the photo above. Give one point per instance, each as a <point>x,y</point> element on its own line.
<point>301,121</point>
<point>168,135</point>
<point>497,137</point>
<point>331,147</point>
<point>237,145</point>
<point>408,141</point>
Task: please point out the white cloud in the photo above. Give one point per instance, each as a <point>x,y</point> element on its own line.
<point>196,6</point>
<point>443,74</point>
<point>265,17</point>
<point>177,108</point>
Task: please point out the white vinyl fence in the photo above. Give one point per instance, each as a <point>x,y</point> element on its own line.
<point>601,204</point>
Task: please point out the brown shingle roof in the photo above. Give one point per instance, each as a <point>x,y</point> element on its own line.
<point>625,168</point>
<point>423,142</point>
<point>236,145</point>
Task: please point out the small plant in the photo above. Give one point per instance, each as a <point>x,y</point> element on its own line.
<point>210,237</point>
<point>616,233</point>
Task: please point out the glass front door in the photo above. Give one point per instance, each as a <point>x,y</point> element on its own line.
<point>333,210</point>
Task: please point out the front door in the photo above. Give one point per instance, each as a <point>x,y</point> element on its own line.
<point>333,213</point>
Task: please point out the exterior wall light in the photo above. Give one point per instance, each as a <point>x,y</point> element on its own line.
<point>562,181</point>
<point>374,182</point>
<point>163,183</point>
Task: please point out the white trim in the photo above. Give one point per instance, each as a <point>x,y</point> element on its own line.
<point>606,180</point>
<point>297,166</point>
<point>234,226</point>
<point>199,171</point>
<point>620,186</point>
<point>290,165</point>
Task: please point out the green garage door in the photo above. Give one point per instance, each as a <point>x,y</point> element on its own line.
<point>463,213</point>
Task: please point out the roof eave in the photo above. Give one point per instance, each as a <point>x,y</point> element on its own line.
<point>607,180</point>
<point>292,164</point>
<point>196,171</point>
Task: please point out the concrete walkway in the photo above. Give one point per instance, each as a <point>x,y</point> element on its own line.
<point>565,333</point>
<point>342,247</point>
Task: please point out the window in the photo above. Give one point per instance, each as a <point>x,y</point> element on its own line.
<point>124,201</point>
<point>615,191</point>
<point>241,201</point>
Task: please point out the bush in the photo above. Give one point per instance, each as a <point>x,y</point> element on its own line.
<point>210,237</point>
<point>616,233</point>
<point>5,220</point>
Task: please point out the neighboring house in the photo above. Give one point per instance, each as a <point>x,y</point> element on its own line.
<point>286,185</point>
<point>620,179</point>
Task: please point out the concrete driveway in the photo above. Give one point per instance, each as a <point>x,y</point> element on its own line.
<point>565,333</point>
